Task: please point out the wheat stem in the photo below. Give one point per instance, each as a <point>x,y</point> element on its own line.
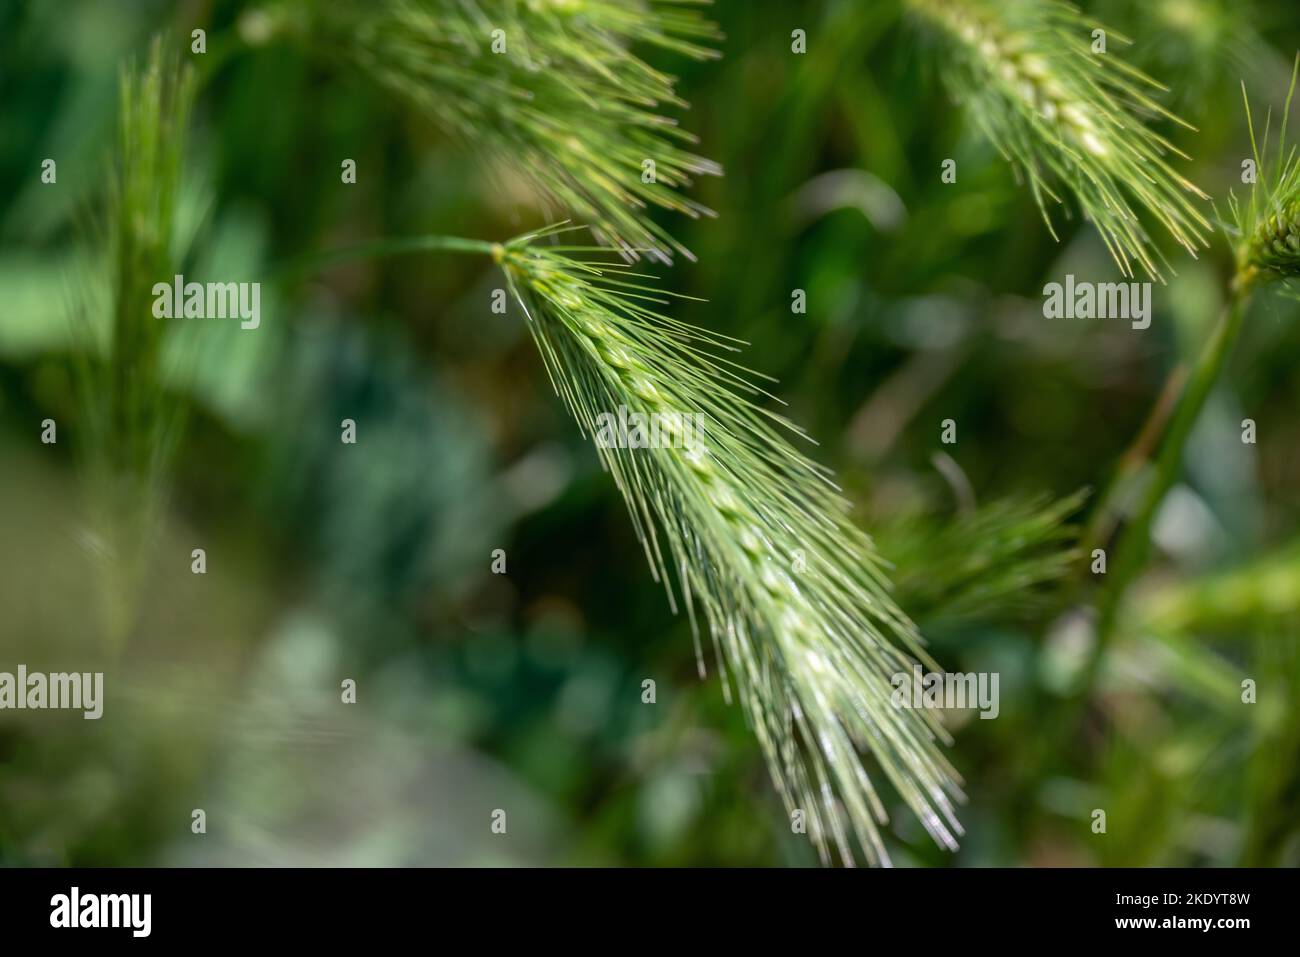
<point>1267,249</point>
<point>1130,554</point>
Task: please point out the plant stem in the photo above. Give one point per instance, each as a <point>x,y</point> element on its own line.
<point>316,262</point>
<point>1131,552</point>
<point>1110,508</point>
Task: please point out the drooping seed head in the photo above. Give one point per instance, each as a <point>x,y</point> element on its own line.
<point>811,653</point>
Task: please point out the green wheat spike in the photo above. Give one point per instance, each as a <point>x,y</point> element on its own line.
<point>550,88</point>
<point>1070,119</point>
<point>1266,226</point>
<point>811,651</point>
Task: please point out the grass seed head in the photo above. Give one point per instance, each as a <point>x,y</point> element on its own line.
<point>1070,118</point>
<point>552,89</point>
<point>811,652</point>
<point>1266,225</point>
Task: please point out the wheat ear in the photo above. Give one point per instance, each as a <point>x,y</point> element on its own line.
<point>549,88</point>
<point>1027,73</point>
<point>812,652</point>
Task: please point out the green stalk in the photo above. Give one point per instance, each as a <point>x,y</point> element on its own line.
<point>1131,552</point>
<point>317,262</point>
<point>1108,512</point>
<point>1266,231</point>
<point>1132,549</point>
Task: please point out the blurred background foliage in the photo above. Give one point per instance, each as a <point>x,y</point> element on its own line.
<point>523,691</point>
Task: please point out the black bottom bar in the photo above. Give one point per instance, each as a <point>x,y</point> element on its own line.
<point>935,907</point>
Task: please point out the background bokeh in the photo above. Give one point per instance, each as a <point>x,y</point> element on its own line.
<point>523,691</point>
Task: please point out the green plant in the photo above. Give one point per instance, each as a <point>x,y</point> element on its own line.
<point>551,89</point>
<point>1030,76</point>
<point>561,97</point>
<point>754,535</point>
<point>1265,237</point>
<point>132,420</point>
<point>1266,227</point>
<point>792,594</point>
<point>745,531</point>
